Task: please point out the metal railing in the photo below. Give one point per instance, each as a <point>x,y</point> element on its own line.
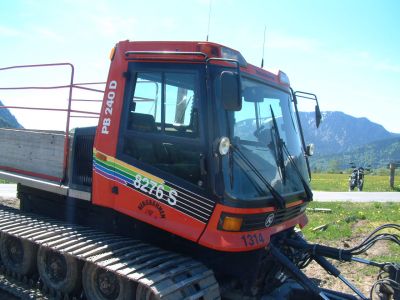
<point>70,113</point>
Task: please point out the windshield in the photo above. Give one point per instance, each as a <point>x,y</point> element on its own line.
<point>259,129</point>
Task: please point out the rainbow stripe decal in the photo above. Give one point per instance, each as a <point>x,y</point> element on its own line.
<point>185,201</point>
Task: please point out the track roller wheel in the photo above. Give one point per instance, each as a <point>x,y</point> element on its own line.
<point>100,284</point>
<point>18,256</point>
<point>61,273</point>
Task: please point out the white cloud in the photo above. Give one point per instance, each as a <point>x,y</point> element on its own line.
<point>361,59</point>
<point>281,41</point>
<point>46,33</point>
<point>9,32</point>
<point>113,25</point>
<point>385,66</point>
<point>204,2</point>
<point>207,2</point>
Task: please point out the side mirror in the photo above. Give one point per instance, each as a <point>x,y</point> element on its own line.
<point>318,116</point>
<point>231,91</point>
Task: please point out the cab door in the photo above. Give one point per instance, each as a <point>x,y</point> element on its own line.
<point>160,163</point>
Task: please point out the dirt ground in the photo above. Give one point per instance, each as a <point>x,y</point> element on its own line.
<point>352,271</point>
<point>13,202</point>
<point>362,276</point>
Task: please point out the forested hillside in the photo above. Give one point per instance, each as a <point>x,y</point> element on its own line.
<point>340,132</point>
<point>7,120</point>
<point>377,154</point>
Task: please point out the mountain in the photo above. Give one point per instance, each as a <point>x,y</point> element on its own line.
<point>342,139</point>
<point>340,132</point>
<point>7,120</point>
<point>377,154</point>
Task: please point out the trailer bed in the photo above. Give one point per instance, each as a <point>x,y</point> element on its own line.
<point>36,159</point>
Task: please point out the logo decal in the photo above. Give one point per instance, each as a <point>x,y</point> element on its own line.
<point>164,193</point>
<point>152,208</point>
<point>269,220</point>
<point>108,108</point>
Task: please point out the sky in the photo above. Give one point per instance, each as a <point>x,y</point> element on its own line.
<point>347,52</point>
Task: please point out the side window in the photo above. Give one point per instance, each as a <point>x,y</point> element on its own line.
<point>145,106</point>
<point>164,106</point>
<point>179,103</point>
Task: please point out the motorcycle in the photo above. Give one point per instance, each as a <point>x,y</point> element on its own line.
<point>356,178</point>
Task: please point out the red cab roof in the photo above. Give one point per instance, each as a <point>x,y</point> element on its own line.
<point>197,51</point>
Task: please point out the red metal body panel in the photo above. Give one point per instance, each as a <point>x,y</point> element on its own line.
<point>243,241</point>
<point>131,201</point>
<point>151,211</point>
<point>123,47</point>
<point>106,142</point>
<point>102,188</point>
<point>101,191</point>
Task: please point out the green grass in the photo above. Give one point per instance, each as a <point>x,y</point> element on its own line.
<point>352,221</point>
<point>340,183</point>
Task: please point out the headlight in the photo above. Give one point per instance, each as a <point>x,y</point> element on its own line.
<point>310,150</point>
<point>224,145</point>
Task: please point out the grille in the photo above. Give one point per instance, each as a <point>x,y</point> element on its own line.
<point>257,221</point>
<point>83,156</point>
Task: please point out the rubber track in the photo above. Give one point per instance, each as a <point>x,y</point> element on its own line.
<point>19,289</point>
<point>169,275</point>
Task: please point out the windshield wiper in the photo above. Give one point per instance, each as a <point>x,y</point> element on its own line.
<point>280,147</point>
<point>278,143</point>
<point>280,201</point>
<point>303,181</point>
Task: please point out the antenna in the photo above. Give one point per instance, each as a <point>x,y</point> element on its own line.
<point>262,60</point>
<point>209,18</point>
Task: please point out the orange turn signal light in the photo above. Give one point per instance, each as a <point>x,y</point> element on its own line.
<point>101,156</point>
<point>232,223</point>
<point>112,53</point>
